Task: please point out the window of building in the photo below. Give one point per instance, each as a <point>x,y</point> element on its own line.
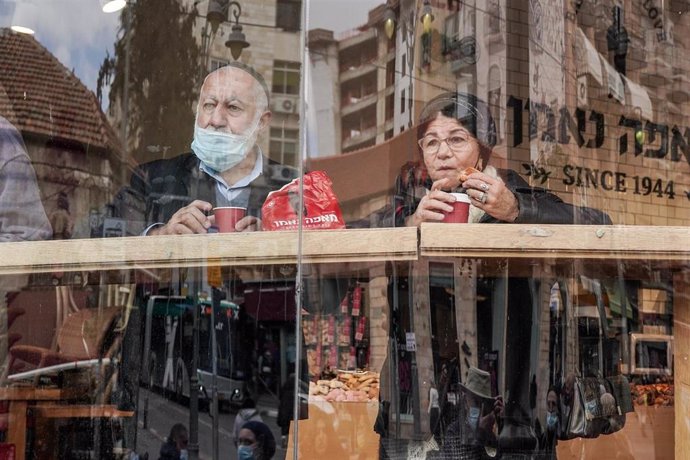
<point>285,77</point>
<point>288,15</point>
<point>283,145</point>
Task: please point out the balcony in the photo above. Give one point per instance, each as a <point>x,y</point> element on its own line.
<point>357,71</point>
<point>353,104</point>
<point>358,39</point>
<point>359,137</point>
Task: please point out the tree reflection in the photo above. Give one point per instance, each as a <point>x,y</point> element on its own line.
<point>163,76</point>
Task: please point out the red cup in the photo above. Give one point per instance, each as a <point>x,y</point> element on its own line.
<point>461,209</point>
<point>227,218</point>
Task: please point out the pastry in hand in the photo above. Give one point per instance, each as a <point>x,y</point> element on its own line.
<point>465,173</point>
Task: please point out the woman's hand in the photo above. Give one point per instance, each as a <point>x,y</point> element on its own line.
<point>433,206</point>
<point>492,196</point>
<point>248,224</point>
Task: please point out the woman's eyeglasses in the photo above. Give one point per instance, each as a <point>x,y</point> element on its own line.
<point>430,145</point>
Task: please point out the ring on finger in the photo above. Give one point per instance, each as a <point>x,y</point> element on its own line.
<point>482,197</point>
<point>484,187</point>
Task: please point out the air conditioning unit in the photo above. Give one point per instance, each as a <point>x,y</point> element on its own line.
<point>284,173</point>
<point>284,104</point>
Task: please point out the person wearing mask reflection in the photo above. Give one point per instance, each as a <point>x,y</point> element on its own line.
<point>566,396</point>
<point>225,168</point>
<point>552,424</point>
<point>474,433</point>
<point>255,442</point>
<point>457,131</point>
<point>175,445</point>
<point>434,409</point>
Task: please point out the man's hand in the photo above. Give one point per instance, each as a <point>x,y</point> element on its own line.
<point>188,220</point>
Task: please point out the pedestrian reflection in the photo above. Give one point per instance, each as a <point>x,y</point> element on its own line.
<point>474,433</point>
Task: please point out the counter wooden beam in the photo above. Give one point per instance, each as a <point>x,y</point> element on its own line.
<point>255,248</point>
<point>79,411</point>
<point>644,243</point>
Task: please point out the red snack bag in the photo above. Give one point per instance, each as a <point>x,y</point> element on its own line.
<point>356,300</point>
<point>359,334</point>
<point>320,211</point>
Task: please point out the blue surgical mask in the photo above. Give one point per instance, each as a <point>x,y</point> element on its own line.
<point>473,417</point>
<point>245,453</point>
<point>221,151</point>
<point>551,420</point>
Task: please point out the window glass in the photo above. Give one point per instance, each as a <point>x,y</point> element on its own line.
<point>286,77</point>
<point>360,229</point>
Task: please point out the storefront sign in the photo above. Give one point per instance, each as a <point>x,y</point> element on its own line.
<point>655,14</point>
<point>672,142</point>
<point>651,140</point>
<point>616,181</point>
<point>606,180</point>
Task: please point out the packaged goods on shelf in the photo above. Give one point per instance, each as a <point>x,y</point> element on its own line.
<point>347,387</point>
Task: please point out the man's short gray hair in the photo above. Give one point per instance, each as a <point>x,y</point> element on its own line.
<point>261,95</point>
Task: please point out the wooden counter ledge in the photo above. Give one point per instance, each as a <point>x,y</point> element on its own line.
<point>556,241</point>
<point>255,248</point>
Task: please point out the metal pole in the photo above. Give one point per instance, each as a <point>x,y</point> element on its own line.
<point>215,307</point>
<point>193,447</point>
<point>414,396</point>
<point>623,295</point>
<point>299,281</point>
<point>393,350</point>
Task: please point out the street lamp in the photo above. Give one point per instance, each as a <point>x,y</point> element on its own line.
<point>236,41</point>
<point>427,17</point>
<point>389,22</point>
<point>112,6</point>
<point>218,11</point>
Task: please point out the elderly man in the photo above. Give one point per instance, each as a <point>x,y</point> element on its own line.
<point>225,168</point>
